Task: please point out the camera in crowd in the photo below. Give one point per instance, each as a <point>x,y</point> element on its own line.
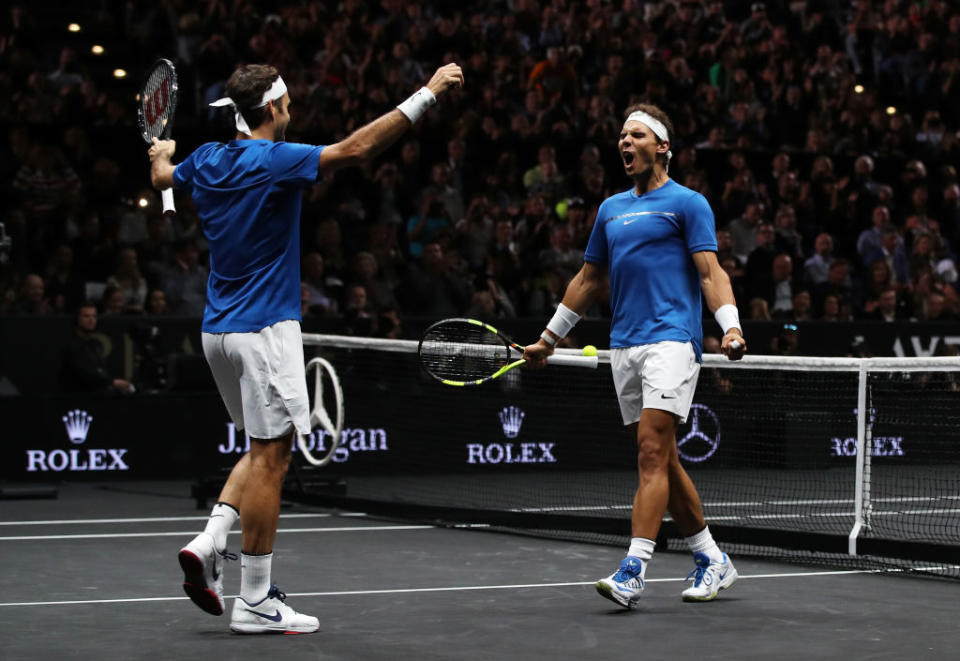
<point>787,340</point>
<point>150,361</point>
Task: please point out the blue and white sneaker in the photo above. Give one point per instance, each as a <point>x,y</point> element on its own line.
<point>624,586</point>
<point>270,615</point>
<point>709,578</point>
<point>202,565</point>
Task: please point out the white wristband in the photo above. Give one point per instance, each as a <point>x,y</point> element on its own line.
<point>548,338</point>
<point>728,317</point>
<point>563,321</point>
<point>417,104</point>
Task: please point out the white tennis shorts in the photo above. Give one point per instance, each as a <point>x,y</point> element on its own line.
<point>655,376</point>
<point>261,378</point>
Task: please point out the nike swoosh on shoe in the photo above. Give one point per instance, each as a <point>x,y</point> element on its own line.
<point>276,617</point>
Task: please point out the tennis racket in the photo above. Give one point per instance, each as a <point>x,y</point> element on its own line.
<point>319,415</point>
<point>156,105</point>
<point>467,352</point>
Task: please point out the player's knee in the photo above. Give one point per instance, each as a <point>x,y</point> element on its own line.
<point>653,454</point>
<point>271,455</point>
<point>280,461</point>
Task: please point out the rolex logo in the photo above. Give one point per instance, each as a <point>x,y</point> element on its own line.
<point>77,423</point>
<point>511,418</point>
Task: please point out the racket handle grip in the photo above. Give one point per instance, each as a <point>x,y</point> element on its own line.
<point>735,344</point>
<point>167,196</point>
<point>573,361</point>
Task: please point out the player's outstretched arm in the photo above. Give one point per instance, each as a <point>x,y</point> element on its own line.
<point>719,296</point>
<point>368,141</point>
<point>161,169</point>
<point>579,296</point>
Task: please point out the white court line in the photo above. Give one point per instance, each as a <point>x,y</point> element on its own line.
<point>811,515</point>
<point>896,512</point>
<point>832,501</point>
<point>154,519</point>
<point>762,504</point>
<point>570,508</point>
<point>841,501</point>
<point>466,588</point>
<point>192,533</point>
<point>911,499</point>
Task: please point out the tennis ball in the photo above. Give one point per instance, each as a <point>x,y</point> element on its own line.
<point>589,350</point>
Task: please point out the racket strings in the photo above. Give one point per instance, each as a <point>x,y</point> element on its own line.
<point>157,101</point>
<point>462,352</point>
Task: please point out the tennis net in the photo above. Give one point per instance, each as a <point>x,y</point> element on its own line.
<point>849,462</point>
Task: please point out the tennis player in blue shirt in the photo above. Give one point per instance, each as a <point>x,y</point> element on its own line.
<point>247,193</point>
<point>658,243</point>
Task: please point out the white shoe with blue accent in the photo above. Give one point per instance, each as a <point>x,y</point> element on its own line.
<point>624,586</point>
<point>270,615</point>
<point>202,565</point>
<point>709,578</point>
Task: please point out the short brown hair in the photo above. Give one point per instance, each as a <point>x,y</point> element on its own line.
<point>246,87</point>
<point>657,114</point>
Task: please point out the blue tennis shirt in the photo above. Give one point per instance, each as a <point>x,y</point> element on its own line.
<point>647,242</point>
<point>248,197</point>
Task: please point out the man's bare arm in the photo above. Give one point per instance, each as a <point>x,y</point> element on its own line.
<point>580,294</point>
<point>583,288</point>
<point>713,280</point>
<point>370,140</point>
<point>364,144</point>
<point>718,292</point>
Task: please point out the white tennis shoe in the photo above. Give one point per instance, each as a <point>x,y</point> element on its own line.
<point>202,566</point>
<point>624,586</point>
<point>270,615</point>
<point>709,578</point>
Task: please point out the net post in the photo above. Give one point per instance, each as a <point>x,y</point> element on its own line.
<point>858,520</point>
<point>868,456</point>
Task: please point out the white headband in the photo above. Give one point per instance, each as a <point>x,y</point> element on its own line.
<point>655,125</point>
<point>276,91</point>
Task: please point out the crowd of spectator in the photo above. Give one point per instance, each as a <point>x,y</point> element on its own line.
<point>823,133</point>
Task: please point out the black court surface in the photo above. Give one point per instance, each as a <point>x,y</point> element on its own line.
<point>93,575</point>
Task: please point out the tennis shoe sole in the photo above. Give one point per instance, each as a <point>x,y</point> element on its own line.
<point>261,629</point>
<point>607,591</point>
<point>195,583</point>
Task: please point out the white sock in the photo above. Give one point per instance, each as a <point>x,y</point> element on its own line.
<point>641,547</point>
<point>255,576</point>
<point>221,520</point>
<point>703,542</point>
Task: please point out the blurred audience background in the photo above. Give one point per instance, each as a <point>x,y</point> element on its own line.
<point>823,133</point>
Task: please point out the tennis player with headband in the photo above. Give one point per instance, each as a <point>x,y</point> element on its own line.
<point>658,243</point>
<point>247,193</point>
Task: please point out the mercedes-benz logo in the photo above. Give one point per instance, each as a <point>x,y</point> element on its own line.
<point>703,438</point>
